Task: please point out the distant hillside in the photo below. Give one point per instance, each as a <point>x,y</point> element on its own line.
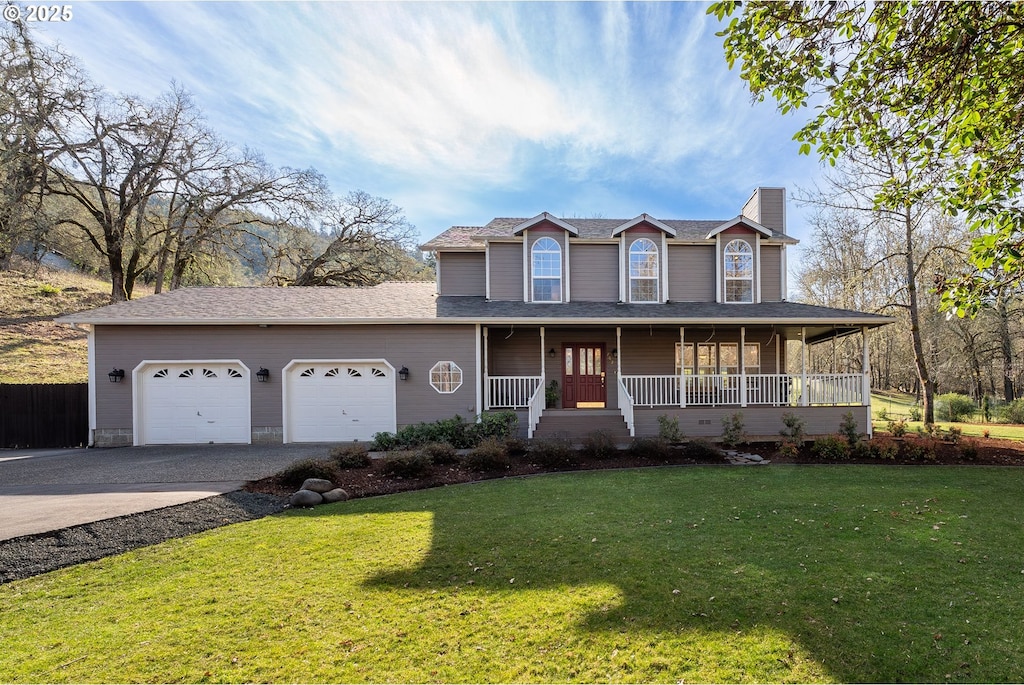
<point>34,349</point>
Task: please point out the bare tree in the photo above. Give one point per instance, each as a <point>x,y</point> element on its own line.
<point>367,240</point>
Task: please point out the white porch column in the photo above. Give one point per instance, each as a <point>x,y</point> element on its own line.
<point>480,376</point>
<point>618,357</point>
<point>682,367</point>
<point>866,385</point>
<point>803,366</point>
<point>487,382</point>
<point>743,367</point>
<point>543,376</point>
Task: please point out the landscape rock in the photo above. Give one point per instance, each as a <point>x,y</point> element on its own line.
<point>305,498</point>
<point>318,485</point>
<point>335,495</point>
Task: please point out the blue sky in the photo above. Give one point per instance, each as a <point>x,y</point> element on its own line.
<point>460,112</point>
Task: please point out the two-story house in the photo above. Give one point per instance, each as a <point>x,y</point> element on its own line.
<point>575,324</point>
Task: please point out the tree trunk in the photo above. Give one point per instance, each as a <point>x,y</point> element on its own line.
<point>927,389</point>
<point>1006,346</point>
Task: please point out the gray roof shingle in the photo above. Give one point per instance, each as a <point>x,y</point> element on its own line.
<point>418,303</point>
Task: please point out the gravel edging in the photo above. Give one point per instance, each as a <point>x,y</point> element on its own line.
<point>31,555</point>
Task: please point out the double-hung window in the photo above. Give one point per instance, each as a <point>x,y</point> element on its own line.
<point>547,271</point>
<point>739,271</point>
<point>643,271</point>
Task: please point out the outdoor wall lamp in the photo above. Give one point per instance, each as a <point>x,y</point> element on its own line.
<point>263,375</point>
<point>403,373</point>
<point>551,353</point>
<point>116,375</point>
<point>614,354</point>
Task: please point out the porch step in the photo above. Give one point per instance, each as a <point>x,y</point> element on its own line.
<point>576,424</point>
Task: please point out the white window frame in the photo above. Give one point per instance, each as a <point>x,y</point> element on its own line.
<point>656,269</point>
<point>684,350</point>
<point>446,377</point>
<point>534,251</point>
<point>732,252</point>
<point>749,368</point>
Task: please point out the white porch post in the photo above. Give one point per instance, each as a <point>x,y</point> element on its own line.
<point>743,367</point>
<point>682,367</point>
<point>480,389</point>
<point>487,382</point>
<point>803,366</point>
<point>618,357</point>
<point>866,385</point>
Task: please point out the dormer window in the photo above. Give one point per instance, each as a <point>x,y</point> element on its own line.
<point>547,271</point>
<point>739,271</point>
<point>643,271</point>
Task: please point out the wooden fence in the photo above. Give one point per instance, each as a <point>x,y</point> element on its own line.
<point>45,415</point>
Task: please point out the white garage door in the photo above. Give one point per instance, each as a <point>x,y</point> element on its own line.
<point>339,401</point>
<point>194,402</point>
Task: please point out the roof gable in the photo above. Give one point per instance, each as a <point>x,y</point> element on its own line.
<point>545,217</point>
<point>741,221</point>
<point>645,219</point>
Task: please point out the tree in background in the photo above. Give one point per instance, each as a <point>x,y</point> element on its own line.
<point>936,85</point>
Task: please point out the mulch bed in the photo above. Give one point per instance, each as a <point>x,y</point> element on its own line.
<point>371,481</point>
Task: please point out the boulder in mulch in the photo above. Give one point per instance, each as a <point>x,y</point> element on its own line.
<point>319,485</point>
<point>305,498</point>
<point>335,495</point>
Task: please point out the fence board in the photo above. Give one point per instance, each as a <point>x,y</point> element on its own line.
<point>44,415</point>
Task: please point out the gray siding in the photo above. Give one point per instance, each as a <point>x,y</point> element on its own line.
<point>771,273</point>
<point>691,276</point>
<point>760,423</point>
<point>418,347</point>
<point>462,273</point>
<point>506,264</point>
<point>773,209</point>
<point>594,270</point>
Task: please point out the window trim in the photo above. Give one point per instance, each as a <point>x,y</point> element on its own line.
<point>727,252</point>
<point>630,278</point>
<point>534,251</point>
<point>446,386</point>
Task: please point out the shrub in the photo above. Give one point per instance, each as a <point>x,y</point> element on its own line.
<point>923,449</point>
<point>516,447</point>
<point>668,428</point>
<point>883,414</point>
<point>295,474</point>
<point>732,430</point>
<point>915,413</point>
<point>553,452</point>
<point>884,449</point>
<point>788,449</point>
<point>440,453</point>
<point>599,445</point>
<point>953,434</point>
<point>406,464</point>
<point>986,408</point>
<point>657,449</point>
<point>351,456</point>
<point>793,429</point>
<point>702,450</point>
<point>831,448</point>
<point>954,406</point>
<point>500,424</point>
<point>898,428</point>
<point>860,450</point>
<point>490,455</point>
<point>848,429</point>
<point>1013,412</point>
<point>49,290</point>
<point>384,441</point>
<point>986,433</point>
<point>969,450</point>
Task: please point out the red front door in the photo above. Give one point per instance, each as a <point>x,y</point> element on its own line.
<point>583,375</point>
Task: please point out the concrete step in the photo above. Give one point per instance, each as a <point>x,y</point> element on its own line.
<point>577,424</point>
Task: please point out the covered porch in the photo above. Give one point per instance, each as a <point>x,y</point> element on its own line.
<point>695,373</point>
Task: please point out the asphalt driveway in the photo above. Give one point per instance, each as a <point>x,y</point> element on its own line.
<point>44,490</point>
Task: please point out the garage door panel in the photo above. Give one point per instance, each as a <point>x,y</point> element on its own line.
<point>340,401</point>
<point>197,402</point>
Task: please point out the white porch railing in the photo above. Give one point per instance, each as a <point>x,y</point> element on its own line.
<point>511,392</point>
<point>626,406</point>
<point>536,406</point>
<point>726,389</point>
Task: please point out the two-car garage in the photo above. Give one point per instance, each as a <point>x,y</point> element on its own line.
<point>210,401</point>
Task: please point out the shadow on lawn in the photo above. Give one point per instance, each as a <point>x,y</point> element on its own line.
<point>878,577</point>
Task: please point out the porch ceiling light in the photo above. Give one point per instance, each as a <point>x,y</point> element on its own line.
<point>116,375</point>
<point>403,373</point>
<point>263,375</point>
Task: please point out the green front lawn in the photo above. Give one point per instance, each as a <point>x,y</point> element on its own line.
<point>897,405</point>
<point>694,573</point>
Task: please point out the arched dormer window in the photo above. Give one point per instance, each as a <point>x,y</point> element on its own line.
<point>547,271</point>
<point>643,271</point>
<point>739,271</point>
